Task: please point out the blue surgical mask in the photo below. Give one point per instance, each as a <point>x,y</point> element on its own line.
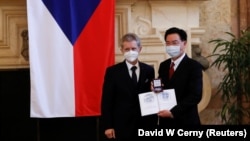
<point>173,51</point>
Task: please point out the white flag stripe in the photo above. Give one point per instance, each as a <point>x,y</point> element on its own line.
<point>52,87</point>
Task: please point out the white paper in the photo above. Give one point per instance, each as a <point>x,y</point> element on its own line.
<point>152,103</point>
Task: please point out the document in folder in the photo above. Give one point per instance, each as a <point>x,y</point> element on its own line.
<point>152,103</point>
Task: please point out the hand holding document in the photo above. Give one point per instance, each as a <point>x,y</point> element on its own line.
<point>152,103</point>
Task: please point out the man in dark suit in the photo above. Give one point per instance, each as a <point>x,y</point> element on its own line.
<point>121,117</point>
<point>186,80</point>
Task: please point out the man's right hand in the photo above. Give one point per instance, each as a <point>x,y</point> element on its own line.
<point>110,133</point>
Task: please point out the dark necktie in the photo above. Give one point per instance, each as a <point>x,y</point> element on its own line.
<point>171,70</point>
<point>134,77</point>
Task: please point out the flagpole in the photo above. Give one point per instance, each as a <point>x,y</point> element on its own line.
<point>97,129</point>
<point>38,129</point>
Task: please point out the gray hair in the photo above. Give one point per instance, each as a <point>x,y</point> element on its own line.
<point>131,37</point>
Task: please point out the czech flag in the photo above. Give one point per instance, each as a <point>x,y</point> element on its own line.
<point>71,43</point>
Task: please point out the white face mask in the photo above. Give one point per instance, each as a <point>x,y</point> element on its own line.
<point>131,55</point>
<point>173,51</point>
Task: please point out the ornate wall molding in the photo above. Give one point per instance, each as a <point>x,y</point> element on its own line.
<point>13,23</point>
<point>150,18</point>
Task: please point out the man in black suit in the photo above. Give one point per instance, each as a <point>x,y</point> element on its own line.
<point>186,80</point>
<point>121,117</point>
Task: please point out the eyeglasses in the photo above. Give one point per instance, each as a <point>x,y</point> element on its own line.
<point>175,42</point>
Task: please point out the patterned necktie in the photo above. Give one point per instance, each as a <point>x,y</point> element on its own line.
<point>134,77</point>
<point>171,70</point>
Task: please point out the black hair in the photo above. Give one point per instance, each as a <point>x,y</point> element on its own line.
<point>180,32</point>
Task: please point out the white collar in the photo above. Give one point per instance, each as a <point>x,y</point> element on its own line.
<point>177,61</point>
<point>130,65</point>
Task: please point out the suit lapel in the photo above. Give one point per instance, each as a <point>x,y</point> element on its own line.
<point>179,68</point>
<point>143,75</point>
